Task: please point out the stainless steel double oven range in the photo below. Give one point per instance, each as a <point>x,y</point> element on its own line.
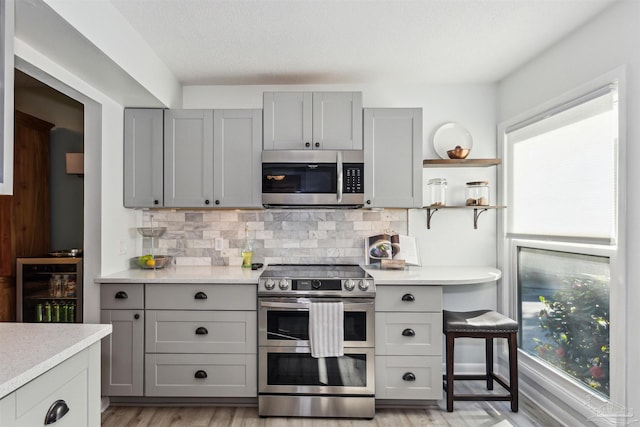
<point>290,381</point>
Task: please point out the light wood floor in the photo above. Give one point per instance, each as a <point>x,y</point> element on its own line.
<point>472,414</point>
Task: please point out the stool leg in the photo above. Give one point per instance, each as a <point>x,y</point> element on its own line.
<point>513,370</point>
<point>449,367</point>
<point>489,362</point>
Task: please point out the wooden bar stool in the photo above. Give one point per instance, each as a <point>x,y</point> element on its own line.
<point>486,324</point>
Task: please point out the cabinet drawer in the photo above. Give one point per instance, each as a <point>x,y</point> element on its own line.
<point>408,298</point>
<point>67,381</point>
<point>176,296</point>
<point>409,377</point>
<point>407,334</point>
<point>223,375</point>
<point>200,331</point>
<point>128,296</point>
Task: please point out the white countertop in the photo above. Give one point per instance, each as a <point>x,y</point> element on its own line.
<point>450,275</point>
<point>443,276</point>
<point>28,350</point>
<point>185,274</point>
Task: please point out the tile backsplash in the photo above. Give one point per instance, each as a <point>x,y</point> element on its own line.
<point>279,236</point>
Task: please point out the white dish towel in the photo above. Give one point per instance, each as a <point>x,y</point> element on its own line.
<point>326,329</point>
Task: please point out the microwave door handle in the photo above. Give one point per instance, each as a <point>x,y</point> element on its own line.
<point>340,177</point>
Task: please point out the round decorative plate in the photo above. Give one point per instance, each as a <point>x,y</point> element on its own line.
<point>449,136</point>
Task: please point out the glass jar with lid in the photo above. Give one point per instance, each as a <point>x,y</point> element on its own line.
<point>437,191</point>
<point>477,193</point>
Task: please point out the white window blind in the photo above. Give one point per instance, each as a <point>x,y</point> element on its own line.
<point>562,170</point>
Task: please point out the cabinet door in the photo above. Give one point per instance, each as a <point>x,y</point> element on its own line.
<point>7,25</point>
<point>393,155</point>
<point>237,150</point>
<point>287,120</point>
<point>143,152</point>
<point>337,120</point>
<point>123,353</point>
<point>188,158</point>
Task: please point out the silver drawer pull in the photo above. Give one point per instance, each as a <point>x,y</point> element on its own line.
<point>408,333</point>
<point>202,331</point>
<point>58,410</point>
<point>409,376</point>
<point>200,374</point>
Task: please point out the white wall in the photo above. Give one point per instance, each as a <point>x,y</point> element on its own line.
<point>606,43</point>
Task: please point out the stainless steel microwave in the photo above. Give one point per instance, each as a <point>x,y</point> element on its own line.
<point>312,178</point>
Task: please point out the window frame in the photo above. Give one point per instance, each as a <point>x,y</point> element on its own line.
<point>536,374</point>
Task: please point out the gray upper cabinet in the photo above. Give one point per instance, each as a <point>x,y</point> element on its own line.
<point>393,157</point>
<point>192,158</point>
<point>237,151</point>
<point>313,120</point>
<point>188,158</point>
<point>143,152</point>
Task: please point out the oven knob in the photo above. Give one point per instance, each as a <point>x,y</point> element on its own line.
<point>316,284</point>
<point>269,284</point>
<point>283,284</point>
<point>349,284</point>
<point>364,285</point>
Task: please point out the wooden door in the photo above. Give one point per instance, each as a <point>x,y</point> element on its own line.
<point>24,216</point>
<point>30,203</point>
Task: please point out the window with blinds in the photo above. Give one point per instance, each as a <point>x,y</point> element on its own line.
<point>563,170</point>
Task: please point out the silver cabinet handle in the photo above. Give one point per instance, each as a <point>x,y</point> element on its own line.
<point>58,410</point>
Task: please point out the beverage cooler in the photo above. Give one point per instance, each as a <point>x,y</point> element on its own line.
<point>49,290</point>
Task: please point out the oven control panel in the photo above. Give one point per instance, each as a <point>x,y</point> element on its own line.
<point>339,287</point>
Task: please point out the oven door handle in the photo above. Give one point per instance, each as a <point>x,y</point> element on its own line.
<point>305,305</point>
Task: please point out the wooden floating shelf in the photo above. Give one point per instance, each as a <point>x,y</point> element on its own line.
<point>448,163</point>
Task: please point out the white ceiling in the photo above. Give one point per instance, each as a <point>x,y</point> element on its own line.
<point>343,41</point>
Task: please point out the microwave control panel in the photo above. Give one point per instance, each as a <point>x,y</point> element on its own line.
<point>353,177</point>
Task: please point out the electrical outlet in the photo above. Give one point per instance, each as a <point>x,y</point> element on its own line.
<point>123,248</point>
<point>219,243</point>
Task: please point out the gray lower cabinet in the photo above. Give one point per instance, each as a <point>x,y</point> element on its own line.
<point>408,342</point>
<point>393,155</point>
<point>74,383</point>
<point>188,158</point>
<point>312,120</point>
<point>201,375</point>
<point>200,340</point>
<point>123,351</point>
<point>143,157</point>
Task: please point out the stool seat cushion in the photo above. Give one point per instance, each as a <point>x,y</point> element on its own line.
<point>477,321</point>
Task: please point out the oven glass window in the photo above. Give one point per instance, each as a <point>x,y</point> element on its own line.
<point>300,369</point>
<point>294,325</point>
<point>317,178</point>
